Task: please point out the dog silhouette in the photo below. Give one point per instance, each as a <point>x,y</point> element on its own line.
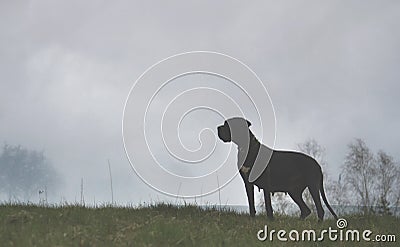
<point>274,170</point>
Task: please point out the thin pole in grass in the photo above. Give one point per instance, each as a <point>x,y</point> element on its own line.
<point>41,200</point>
<point>45,194</point>
<point>111,183</point>
<point>177,194</point>
<point>219,193</point>
<point>82,197</point>
<point>201,194</point>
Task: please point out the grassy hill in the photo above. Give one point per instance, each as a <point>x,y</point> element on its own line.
<point>164,225</point>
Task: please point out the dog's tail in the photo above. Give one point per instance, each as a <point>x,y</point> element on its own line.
<point>322,191</point>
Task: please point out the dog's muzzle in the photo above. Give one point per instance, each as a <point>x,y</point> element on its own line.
<point>224,133</point>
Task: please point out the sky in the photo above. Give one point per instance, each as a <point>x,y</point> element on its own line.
<point>66,69</point>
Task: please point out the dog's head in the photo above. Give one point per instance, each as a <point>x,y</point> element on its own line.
<point>234,130</point>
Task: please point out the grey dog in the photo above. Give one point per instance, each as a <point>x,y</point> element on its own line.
<point>274,170</point>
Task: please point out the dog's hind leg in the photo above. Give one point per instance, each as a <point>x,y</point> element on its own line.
<point>268,205</point>
<point>314,191</point>
<point>298,199</point>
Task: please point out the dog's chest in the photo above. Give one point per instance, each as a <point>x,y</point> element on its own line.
<point>241,157</point>
<point>254,165</point>
<point>246,157</point>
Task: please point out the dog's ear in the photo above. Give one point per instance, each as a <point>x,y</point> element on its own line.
<point>248,123</point>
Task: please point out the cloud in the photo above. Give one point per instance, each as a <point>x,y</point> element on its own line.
<point>66,69</point>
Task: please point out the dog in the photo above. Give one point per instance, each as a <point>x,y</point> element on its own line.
<point>274,170</point>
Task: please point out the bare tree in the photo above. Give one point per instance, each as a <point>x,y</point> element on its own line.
<point>338,193</point>
<point>397,193</point>
<point>359,172</point>
<point>280,203</point>
<point>387,174</point>
<point>315,150</point>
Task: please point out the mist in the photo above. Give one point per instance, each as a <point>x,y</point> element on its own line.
<point>330,68</point>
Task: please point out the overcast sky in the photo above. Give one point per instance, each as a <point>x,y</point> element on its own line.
<point>66,68</point>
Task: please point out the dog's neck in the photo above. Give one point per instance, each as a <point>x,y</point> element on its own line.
<point>253,143</point>
<point>250,150</point>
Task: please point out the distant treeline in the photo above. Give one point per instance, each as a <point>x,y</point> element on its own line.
<point>25,173</point>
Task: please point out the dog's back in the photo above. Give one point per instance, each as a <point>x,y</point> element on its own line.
<point>287,170</point>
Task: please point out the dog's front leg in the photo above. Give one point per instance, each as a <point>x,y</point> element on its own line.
<point>250,198</point>
<point>250,194</point>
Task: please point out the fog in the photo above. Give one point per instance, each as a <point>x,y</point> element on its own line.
<point>330,68</point>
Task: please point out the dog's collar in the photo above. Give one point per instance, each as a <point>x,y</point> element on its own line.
<point>253,141</point>
<point>245,169</point>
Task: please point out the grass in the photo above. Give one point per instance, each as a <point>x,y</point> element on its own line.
<point>162,225</point>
